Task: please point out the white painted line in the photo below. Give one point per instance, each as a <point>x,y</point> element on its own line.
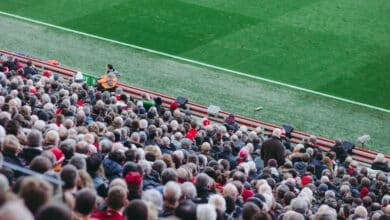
<point>196,62</point>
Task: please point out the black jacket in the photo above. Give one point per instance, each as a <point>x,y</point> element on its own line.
<point>380,166</point>
<point>272,148</point>
<point>341,153</point>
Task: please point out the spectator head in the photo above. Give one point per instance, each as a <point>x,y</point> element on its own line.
<point>85,202</point>
<point>79,162</point>
<point>169,174</point>
<point>133,180</point>
<point>218,202</point>
<point>277,132</point>
<point>118,182</point>
<point>117,198</point>
<point>230,190</point>
<point>300,205</point>
<point>172,194</point>
<point>186,210</point>
<point>15,210</point>
<point>35,192</point>
<point>202,181</point>
<point>11,145</point>
<point>94,162</point>
<point>292,215</point>
<point>250,209</point>
<point>69,176</point>
<point>325,213</point>
<point>153,196</point>
<point>68,147</point>
<point>206,212</point>
<point>380,158</point>
<point>137,209</point>
<point>34,138</point>
<point>52,138</point>
<point>41,164</point>
<point>189,191</point>
<point>56,211</point>
<point>361,212</point>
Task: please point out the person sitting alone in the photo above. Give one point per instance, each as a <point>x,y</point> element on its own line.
<point>108,82</point>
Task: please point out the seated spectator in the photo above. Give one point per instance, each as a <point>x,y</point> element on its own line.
<point>85,204</point>
<point>137,209</point>
<point>54,211</point>
<point>116,203</point>
<point>29,69</point>
<point>380,163</point>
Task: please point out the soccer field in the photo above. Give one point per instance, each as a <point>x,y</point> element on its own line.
<point>341,48</point>
<point>180,28</point>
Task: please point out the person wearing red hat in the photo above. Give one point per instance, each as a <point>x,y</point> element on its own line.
<point>60,157</point>
<point>134,184</point>
<point>242,156</point>
<point>306,180</point>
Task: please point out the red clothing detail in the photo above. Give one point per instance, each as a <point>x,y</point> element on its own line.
<point>108,215</point>
<point>191,134</point>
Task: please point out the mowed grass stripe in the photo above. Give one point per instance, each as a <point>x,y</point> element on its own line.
<point>328,51</point>
<point>201,63</point>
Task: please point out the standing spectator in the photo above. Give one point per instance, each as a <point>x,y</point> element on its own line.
<point>273,148</point>
<point>341,153</point>
<point>29,69</point>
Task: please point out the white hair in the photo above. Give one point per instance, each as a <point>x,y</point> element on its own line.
<point>146,167</point>
<point>307,193</point>
<point>380,158</point>
<point>172,189</point>
<point>206,212</point>
<point>300,205</point>
<point>153,196</point>
<point>277,132</point>
<point>361,211</point>
<point>292,215</point>
<point>166,140</point>
<point>15,211</point>
<point>230,190</point>
<point>324,179</point>
<point>325,212</point>
<point>188,189</point>
<point>143,123</point>
<point>218,201</point>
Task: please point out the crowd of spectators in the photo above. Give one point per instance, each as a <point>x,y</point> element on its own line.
<point>104,155</point>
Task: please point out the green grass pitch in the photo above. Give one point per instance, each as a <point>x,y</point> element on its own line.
<point>340,48</point>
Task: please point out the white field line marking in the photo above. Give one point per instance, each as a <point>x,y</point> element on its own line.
<point>196,62</point>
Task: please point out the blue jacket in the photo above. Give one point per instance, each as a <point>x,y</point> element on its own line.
<point>112,169</point>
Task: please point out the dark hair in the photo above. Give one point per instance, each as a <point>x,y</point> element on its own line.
<point>93,163</point>
<point>137,209</point>
<point>167,175</point>
<point>67,148</point>
<point>85,201</point>
<point>186,210</point>
<point>249,210</point>
<point>40,164</point>
<point>116,198</point>
<point>69,176</point>
<point>55,211</point>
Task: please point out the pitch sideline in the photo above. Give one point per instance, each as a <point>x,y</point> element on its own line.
<point>195,62</point>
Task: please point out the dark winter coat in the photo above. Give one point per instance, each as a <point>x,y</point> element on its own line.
<point>272,148</point>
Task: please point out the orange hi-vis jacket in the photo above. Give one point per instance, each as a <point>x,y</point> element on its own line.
<point>108,81</point>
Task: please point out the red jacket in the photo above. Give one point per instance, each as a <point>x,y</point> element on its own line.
<point>108,215</point>
<point>191,134</point>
